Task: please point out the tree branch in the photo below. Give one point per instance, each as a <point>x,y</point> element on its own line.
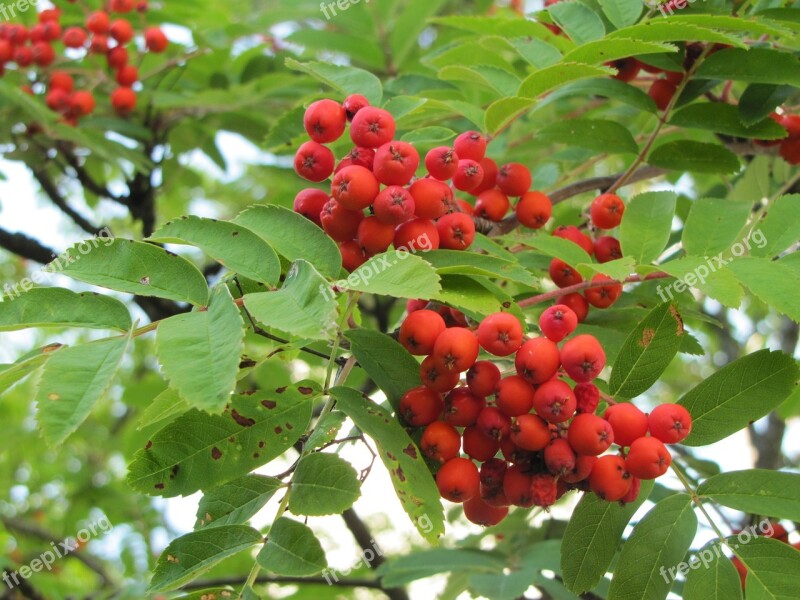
<point>85,179</point>
<point>26,247</point>
<point>56,198</point>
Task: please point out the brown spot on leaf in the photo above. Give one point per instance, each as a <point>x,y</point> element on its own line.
<point>172,559</point>
<point>159,486</point>
<point>289,426</point>
<point>216,454</point>
<point>174,471</point>
<point>232,439</point>
<point>241,419</point>
<point>400,475</point>
<point>256,455</point>
<point>247,362</point>
<point>677,316</point>
<point>647,336</point>
<point>148,445</point>
<point>506,304</point>
<point>410,450</point>
<point>305,390</point>
<point>53,396</point>
<point>280,390</point>
<point>269,404</point>
<point>261,444</point>
<point>145,280</point>
<point>234,233</point>
<point>391,456</point>
<point>278,430</point>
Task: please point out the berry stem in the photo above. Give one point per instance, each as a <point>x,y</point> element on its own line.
<point>696,499</point>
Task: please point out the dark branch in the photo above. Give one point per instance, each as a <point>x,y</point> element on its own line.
<point>26,247</point>
<point>56,198</point>
<point>85,179</point>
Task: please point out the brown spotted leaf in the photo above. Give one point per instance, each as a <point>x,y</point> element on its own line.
<point>411,477</point>
<point>647,352</point>
<point>198,450</point>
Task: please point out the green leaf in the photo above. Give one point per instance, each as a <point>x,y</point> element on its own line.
<point>304,306</point>
<point>661,538</point>
<point>471,263</point>
<point>758,100</point>
<point>235,502</point>
<point>578,21</point>
<point>748,26</point>
<point>696,157</point>
<point>366,51</point>
<point>344,79</point>
<point>411,478</point>
<point>607,50</point>
<point>617,269</point>
<point>164,406</point>
<point>411,20</point>
<point>503,111</point>
<point>647,352</point>
<point>780,229</point>
<point>53,307</point>
<point>771,281</point>
<point>292,550</point>
<point>557,247</point>
<point>647,224</point>
<point>704,274</point>
<point>191,555</point>
<point>134,267</point>
<point>724,118</point>
<point>71,383</point>
<point>326,428</point>
<point>395,273</point>
<point>756,491</point>
<point>323,484</point>
<point>607,88</point>
<point>476,297</point>
<point>662,30</point>
<point>25,365</point>
<point>739,393</point>
<point>293,236</point>
<point>496,79</point>
<point>200,352</point>
<point>233,246</point>
<point>592,134</point>
<point>622,12</point>
<point>429,135</point>
<point>426,563</point>
<point>713,225</point>
<point>198,450</point>
<point>592,535</point>
<point>550,78</point>
<point>386,362</point>
<point>773,568</point>
<point>756,65</point>
<point>715,578</point>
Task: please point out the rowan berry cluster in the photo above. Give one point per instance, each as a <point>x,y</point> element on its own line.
<point>34,53</point>
<point>379,175</point>
<point>533,429</point>
<point>789,147</point>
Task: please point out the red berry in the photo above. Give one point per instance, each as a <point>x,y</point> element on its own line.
<point>121,30</point>
<point>589,434</point>
<point>478,445</point>
<point>43,54</point>
<point>537,360</point>
<point>514,179</point>
<point>6,51</point>
<point>309,203</point>
<point>456,231</point>
<point>123,100</point>
<point>440,442</point>
<point>575,235</point>
<point>648,458</point>
<point>471,145</point>
<point>468,175</point>
<point>313,161</point>
<point>559,457</point>
<point>458,480</point>
<point>633,492</point>
<point>58,99</point>
<point>662,91</point>
<point>52,30</point>
<point>435,377</point>
<point>432,198</point>
<point>492,204</point>
<point>82,103</point>
<point>325,121</point>
<point>441,162</point>
<point>605,295</point>
<point>98,22</point>
<point>577,303</point>
<point>627,69</point>
<point>419,331</point>
<point>587,396</point>
<point>338,222</point>
<point>395,163</point>
<point>607,248</point>
<point>394,205</point>
<point>62,80</point>
<point>462,407</point>
<point>534,209</point>
<point>607,211</point>
<point>416,235</point>
<point>420,406</point>
<point>544,490</point>
<point>478,511</point>
<point>363,157</point>
<point>494,422</point>
<point>489,180</point>
<point>500,334</point>
<point>517,486</point>
<point>628,422</point>
<point>562,274</point>
<point>23,56</point>
<point>122,6</point>
<point>530,432</point>
<point>17,34</point>
<point>670,423</point>
<point>352,255</point>
<point>514,396</point>
<point>456,349</point>
<point>127,76</point>
<point>118,57</point>
<point>354,103</point>
<point>583,358</point>
<point>584,463</point>
<point>609,479</point>
<point>483,377</point>
<point>374,236</point>
<point>155,40</point>
<point>557,322</point>
<point>554,401</point>
<point>354,187</point>
<point>372,127</point>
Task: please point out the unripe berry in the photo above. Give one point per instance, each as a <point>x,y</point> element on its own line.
<point>456,231</point>
<point>534,209</point>
<point>648,458</point>
<point>458,479</point>
<point>530,432</point>
<point>483,377</point>
<point>462,407</point>
<point>583,358</point>
<point>492,204</point>
<point>441,162</point>
<point>419,331</point>
<point>609,479</point>
<point>670,423</point>
<point>537,360</point>
<point>557,322</point>
<point>514,179</point>
<point>471,145</point>
<point>628,422</point>
<point>514,396</point>
<point>589,434</point>
<point>607,211</point>
<point>394,205</point>
<point>440,442</point>
<point>372,127</point>
<point>554,401</point>
<point>420,406</point>
<point>324,121</point>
